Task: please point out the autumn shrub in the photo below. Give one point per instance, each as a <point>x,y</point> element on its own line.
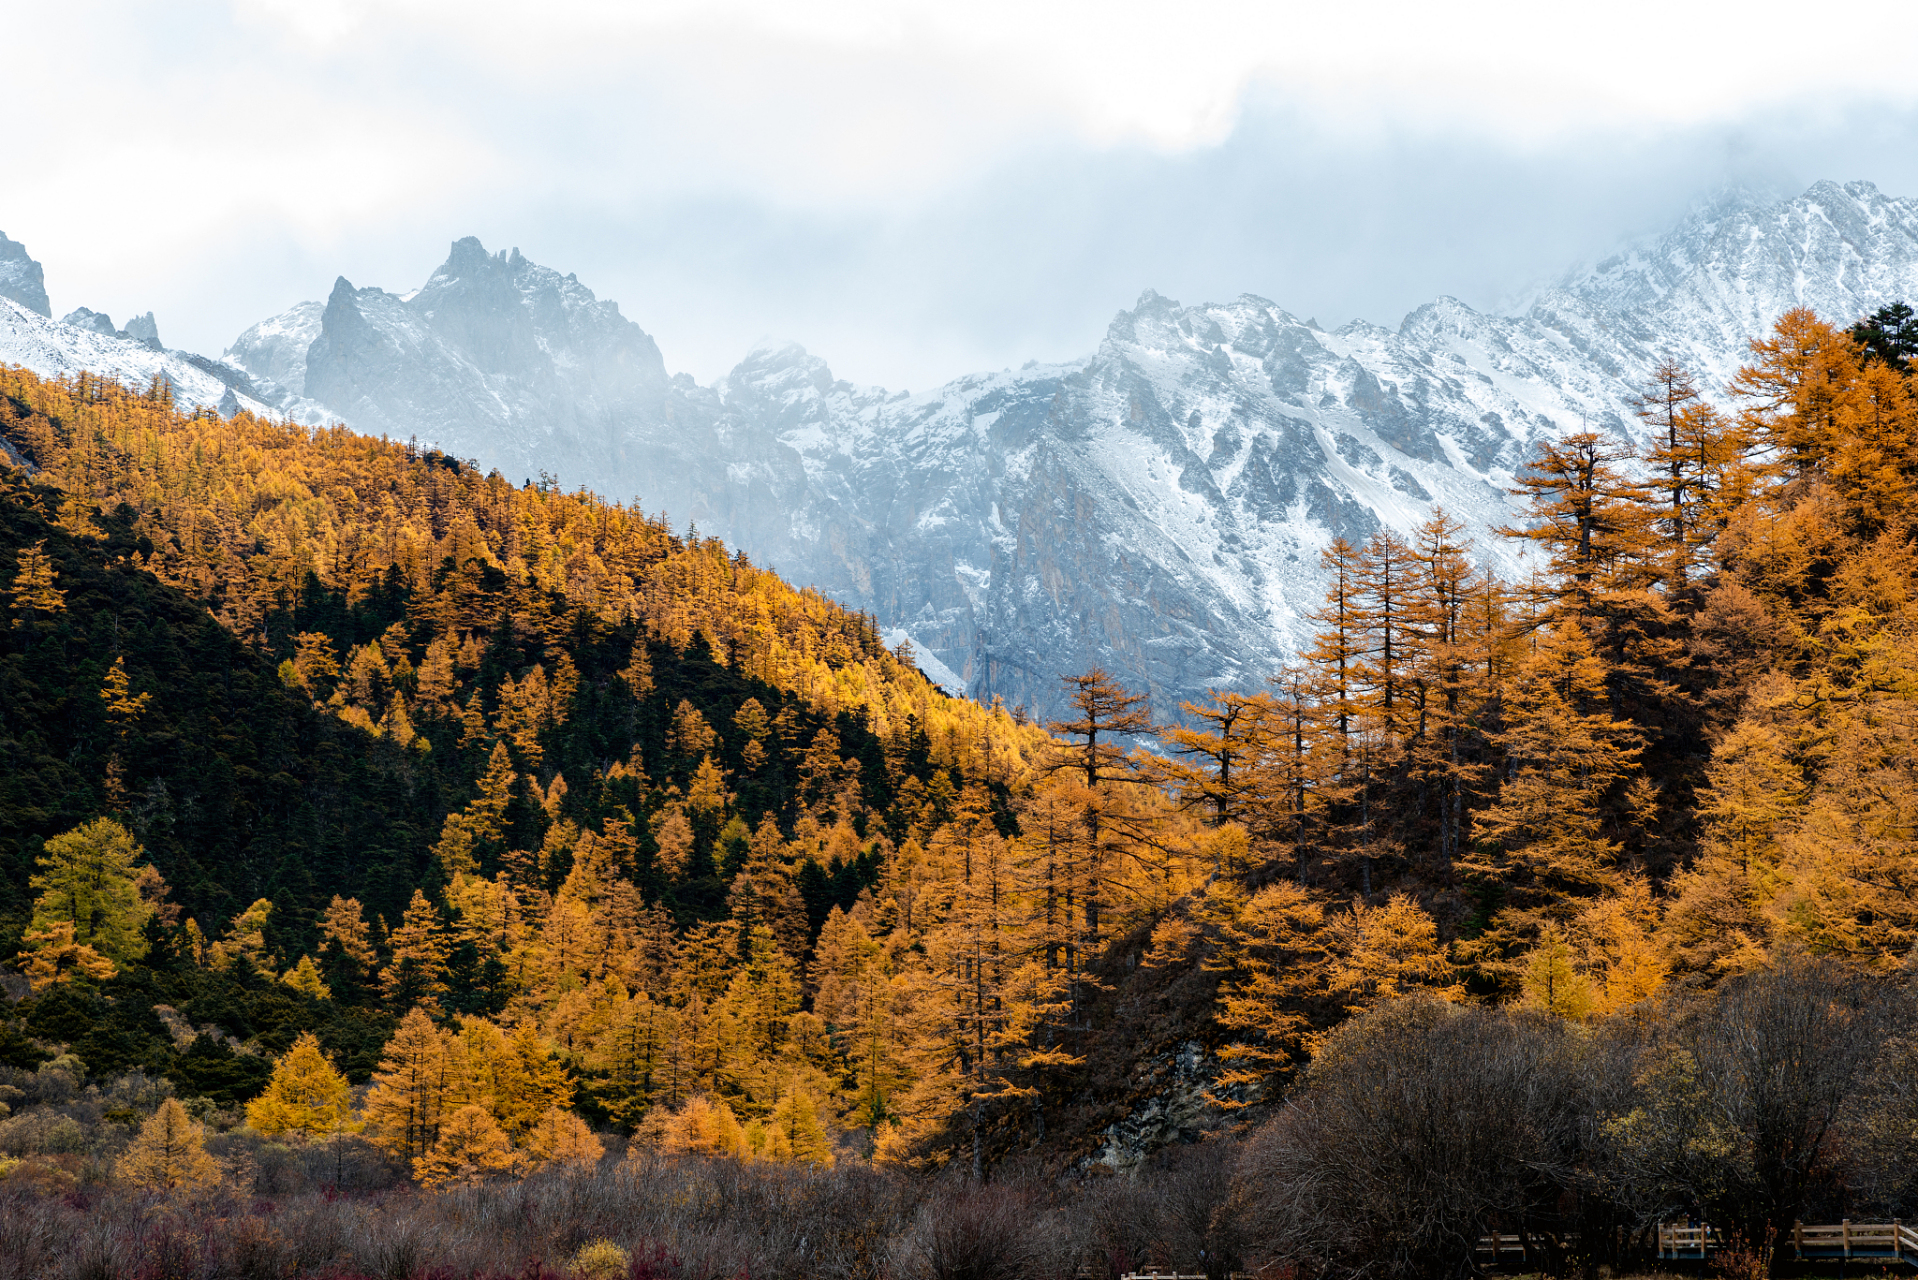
<point>1168,1215</point>
<point>1417,1127</point>
<point>981,1233</point>
<point>41,1131</point>
<point>600,1260</point>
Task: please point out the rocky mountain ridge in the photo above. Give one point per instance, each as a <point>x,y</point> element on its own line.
<point>86,341</point>
<point>21,278</point>
<point>1158,506</point>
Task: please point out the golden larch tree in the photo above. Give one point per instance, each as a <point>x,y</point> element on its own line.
<point>35,589</point>
<point>407,1103</point>
<point>561,1139</point>
<point>169,1153</point>
<point>471,1149</point>
<point>306,1095</point>
<point>89,878</point>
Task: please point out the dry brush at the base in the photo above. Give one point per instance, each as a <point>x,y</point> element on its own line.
<point>676,1219</point>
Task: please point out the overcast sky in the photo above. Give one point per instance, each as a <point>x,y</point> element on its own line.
<point>912,190</point>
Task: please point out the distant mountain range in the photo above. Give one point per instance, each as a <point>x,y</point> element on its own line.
<point>1157,507</point>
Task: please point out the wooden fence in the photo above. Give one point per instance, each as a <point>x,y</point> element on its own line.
<point>1678,1241</point>
<point>1847,1239</point>
<point>1684,1242</point>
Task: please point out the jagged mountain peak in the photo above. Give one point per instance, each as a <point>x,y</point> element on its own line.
<point>22,279</point>
<point>1833,247</point>
<point>775,368</point>
<point>92,321</point>
<point>143,329</point>
<point>87,340</point>
<point>53,348</point>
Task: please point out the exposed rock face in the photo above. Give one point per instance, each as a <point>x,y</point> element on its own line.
<point>144,330</point>
<point>274,351</point>
<point>141,329</point>
<point>21,278</point>
<point>1158,507</point>
<point>1179,1111</point>
<point>92,322</point>
<point>493,350</point>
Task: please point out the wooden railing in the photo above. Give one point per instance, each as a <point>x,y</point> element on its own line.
<point>1505,1243</point>
<point>1677,1241</point>
<point>1894,1239</point>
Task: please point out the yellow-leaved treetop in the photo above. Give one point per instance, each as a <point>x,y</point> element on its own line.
<point>561,1139</point>
<point>344,923</point>
<point>1544,839</point>
<point>1272,948</point>
<point>1390,950</point>
<point>528,1080</point>
<point>246,939</point>
<point>304,978</point>
<point>124,708</point>
<point>703,1127</point>
<point>33,589</point>
<point>418,967</point>
<point>1551,980</point>
<point>306,1096</point>
<point>169,1153</point>
<point>1627,959</point>
<point>53,957</point>
<point>89,879</point>
<point>471,1149</point>
<point>795,1132</point>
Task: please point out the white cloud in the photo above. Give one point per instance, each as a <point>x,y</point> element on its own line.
<point>1169,74</point>
<point>910,187</point>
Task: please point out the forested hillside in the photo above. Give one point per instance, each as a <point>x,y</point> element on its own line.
<point>520,758</point>
<point>552,824</point>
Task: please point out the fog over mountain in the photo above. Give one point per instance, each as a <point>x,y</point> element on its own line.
<point>1158,506</point>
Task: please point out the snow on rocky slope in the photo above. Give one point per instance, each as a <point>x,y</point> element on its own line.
<point>56,348</point>
<point>1158,506</point>
<point>86,340</point>
<point>494,356</point>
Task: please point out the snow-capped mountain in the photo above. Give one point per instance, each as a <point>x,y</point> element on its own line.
<point>494,356</point>
<point>87,342</point>
<point>1158,506</point>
